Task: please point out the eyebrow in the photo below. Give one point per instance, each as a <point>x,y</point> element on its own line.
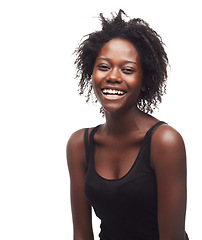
<point>108,59</point>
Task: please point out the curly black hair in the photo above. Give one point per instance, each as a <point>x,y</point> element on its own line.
<point>151,52</point>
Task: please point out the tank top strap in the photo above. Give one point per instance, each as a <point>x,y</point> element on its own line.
<point>153,129</point>
<point>88,140</point>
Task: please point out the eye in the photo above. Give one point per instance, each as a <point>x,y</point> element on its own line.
<point>128,70</point>
<point>103,67</point>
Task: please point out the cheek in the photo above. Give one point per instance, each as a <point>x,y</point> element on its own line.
<point>94,77</point>
<point>95,82</point>
<point>97,76</point>
<point>135,82</point>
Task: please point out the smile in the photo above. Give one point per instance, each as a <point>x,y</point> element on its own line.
<point>112,94</point>
<point>106,91</point>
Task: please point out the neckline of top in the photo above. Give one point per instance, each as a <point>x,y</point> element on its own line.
<point>91,138</point>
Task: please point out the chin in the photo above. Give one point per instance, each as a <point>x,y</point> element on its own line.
<point>112,109</point>
<point>118,109</point>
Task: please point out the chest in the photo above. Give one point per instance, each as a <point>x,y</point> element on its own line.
<point>114,159</point>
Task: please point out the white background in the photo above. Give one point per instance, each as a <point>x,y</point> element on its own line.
<point>40,106</point>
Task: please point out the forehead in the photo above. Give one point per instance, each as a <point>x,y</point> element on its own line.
<point>119,48</point>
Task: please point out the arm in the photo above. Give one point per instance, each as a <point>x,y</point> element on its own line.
<point>168,159</point>
<point>81,209</point>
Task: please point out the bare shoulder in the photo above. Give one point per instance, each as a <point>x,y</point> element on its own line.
<point>76,139</point>
<point>167,135</point>
<point>76,149</point>
<point>167,146</point>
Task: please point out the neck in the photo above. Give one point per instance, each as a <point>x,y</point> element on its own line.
<point>123,122</point>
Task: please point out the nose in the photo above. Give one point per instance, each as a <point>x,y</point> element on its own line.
<point>114,76</point>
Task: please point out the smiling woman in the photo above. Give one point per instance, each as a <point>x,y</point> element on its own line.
<point>148,46</point>
<point>117,75</point>
<point>132,168</point>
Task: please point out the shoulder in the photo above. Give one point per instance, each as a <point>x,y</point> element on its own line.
<point>166,135</point>
<point>76,139</point>
<point>75,149</point>
<point>167,147</point>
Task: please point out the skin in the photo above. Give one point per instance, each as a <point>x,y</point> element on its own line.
<point>118,141</point>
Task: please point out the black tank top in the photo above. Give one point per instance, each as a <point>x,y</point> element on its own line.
<point>126,206</point>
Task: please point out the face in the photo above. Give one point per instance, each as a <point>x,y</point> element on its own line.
<point>117,76</point>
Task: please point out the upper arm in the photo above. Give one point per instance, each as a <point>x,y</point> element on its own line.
<point>81,209</point>
<point>168,158</point>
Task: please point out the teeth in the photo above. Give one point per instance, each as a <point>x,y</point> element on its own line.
<point>112,91</point>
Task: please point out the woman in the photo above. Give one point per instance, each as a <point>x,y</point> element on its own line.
<point>132,168</point>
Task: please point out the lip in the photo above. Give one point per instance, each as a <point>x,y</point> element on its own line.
<point>113,88</point>
<point>113,97</point>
